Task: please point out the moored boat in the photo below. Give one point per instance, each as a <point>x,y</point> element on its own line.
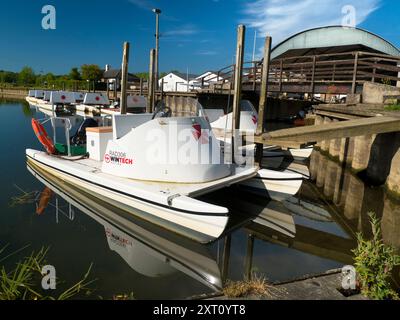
<point>123,170</point>
<point>274,184</point>
<point>161,253</point>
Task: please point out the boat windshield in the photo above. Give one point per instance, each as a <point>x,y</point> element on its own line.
<point>247,106</point>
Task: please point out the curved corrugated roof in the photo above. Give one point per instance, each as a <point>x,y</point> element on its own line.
<point>335,36</point>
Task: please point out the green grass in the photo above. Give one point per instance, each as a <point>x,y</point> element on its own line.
<point>23,282</point>
<point>393,107</point>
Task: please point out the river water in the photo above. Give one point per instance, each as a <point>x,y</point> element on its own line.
<point>131,256</point>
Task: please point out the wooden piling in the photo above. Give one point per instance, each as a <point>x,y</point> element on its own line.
<point>248,264</point>
<point>254,76</point>
<point>263,96</point>
<point>354,85</point>
<point>141,87</point>
<point>124,79</point>
<point>115,89</point>
<point>238,85</point>
<point>314,63</point>
<point>225,258</point>
<point>108,89</point>
<point>162,89</point>
<point>151,88</point>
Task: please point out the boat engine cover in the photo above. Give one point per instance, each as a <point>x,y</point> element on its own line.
<point>181,150</point>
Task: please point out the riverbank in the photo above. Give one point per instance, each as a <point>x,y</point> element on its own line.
<point>13,93</point>
<point>324,286</point>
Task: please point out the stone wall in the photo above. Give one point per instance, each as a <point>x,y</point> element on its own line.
<point>377,157</point>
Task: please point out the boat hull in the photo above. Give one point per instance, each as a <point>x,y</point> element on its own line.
<point>276,185</point>
<point>203,226</point>
<point>159,250</point>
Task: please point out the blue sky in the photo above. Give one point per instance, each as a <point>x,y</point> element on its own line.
<point>198,35</point>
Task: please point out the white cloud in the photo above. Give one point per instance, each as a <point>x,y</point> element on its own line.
<point>283,18</point>
<point>207,53</point>
<point>142,4</point>
<point>185,30</point>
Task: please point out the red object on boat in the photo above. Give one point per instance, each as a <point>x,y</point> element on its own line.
<point>299,122</point>
<point>196,131</point>
<point>43,137</point>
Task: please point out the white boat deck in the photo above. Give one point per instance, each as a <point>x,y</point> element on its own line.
<point>187,189</point>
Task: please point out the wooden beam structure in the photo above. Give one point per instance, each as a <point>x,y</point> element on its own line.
<point>334,130</point>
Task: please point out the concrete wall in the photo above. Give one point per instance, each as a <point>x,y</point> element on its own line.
<point>393,181</point>
<point>375,157</point>
<point>13,93</point>
<point>375,92</point>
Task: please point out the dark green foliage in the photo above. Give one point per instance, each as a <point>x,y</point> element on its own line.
<point>374,262</point>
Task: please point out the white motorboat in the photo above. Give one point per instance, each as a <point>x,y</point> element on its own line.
<point>274,184</point>
<point>92,103</point>
<point>130,168</point>
<point>35,96</point>
<point>221,124</point>
<point>99,104</point>
<point>301,155</point>
<point>299,168</point>
<point>54,101</point>
<point>147,249</point>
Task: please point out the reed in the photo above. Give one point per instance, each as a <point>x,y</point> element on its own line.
<point>24,281</point>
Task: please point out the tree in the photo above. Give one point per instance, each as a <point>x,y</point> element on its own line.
<point>143,75</point>
<point>49,78</point>
<point>91,72</point>
<point>8,77</point>
<point>75,74</point>
<point>26,76</point>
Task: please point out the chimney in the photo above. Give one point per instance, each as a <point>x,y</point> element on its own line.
<point>108,67</point>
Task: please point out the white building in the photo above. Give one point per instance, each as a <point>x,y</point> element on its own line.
<point>178,82</point>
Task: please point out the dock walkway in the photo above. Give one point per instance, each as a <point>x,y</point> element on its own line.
<point>319,287</point>
<point>298,137</point>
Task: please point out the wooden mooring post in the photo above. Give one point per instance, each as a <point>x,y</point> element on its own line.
<point>151,89</point>
<point>263,97</point>
<point>238,88</point>
<point>124,78</point>
<point>248,264</point>
<point>141,87</point>
<point>225,258</point>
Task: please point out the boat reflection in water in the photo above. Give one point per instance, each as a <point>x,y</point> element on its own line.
<point>146,248</point>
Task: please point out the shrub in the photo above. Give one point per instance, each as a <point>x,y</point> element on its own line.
<point>374,262</point>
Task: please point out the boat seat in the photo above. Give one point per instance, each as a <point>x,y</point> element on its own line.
<point>122,124</point>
